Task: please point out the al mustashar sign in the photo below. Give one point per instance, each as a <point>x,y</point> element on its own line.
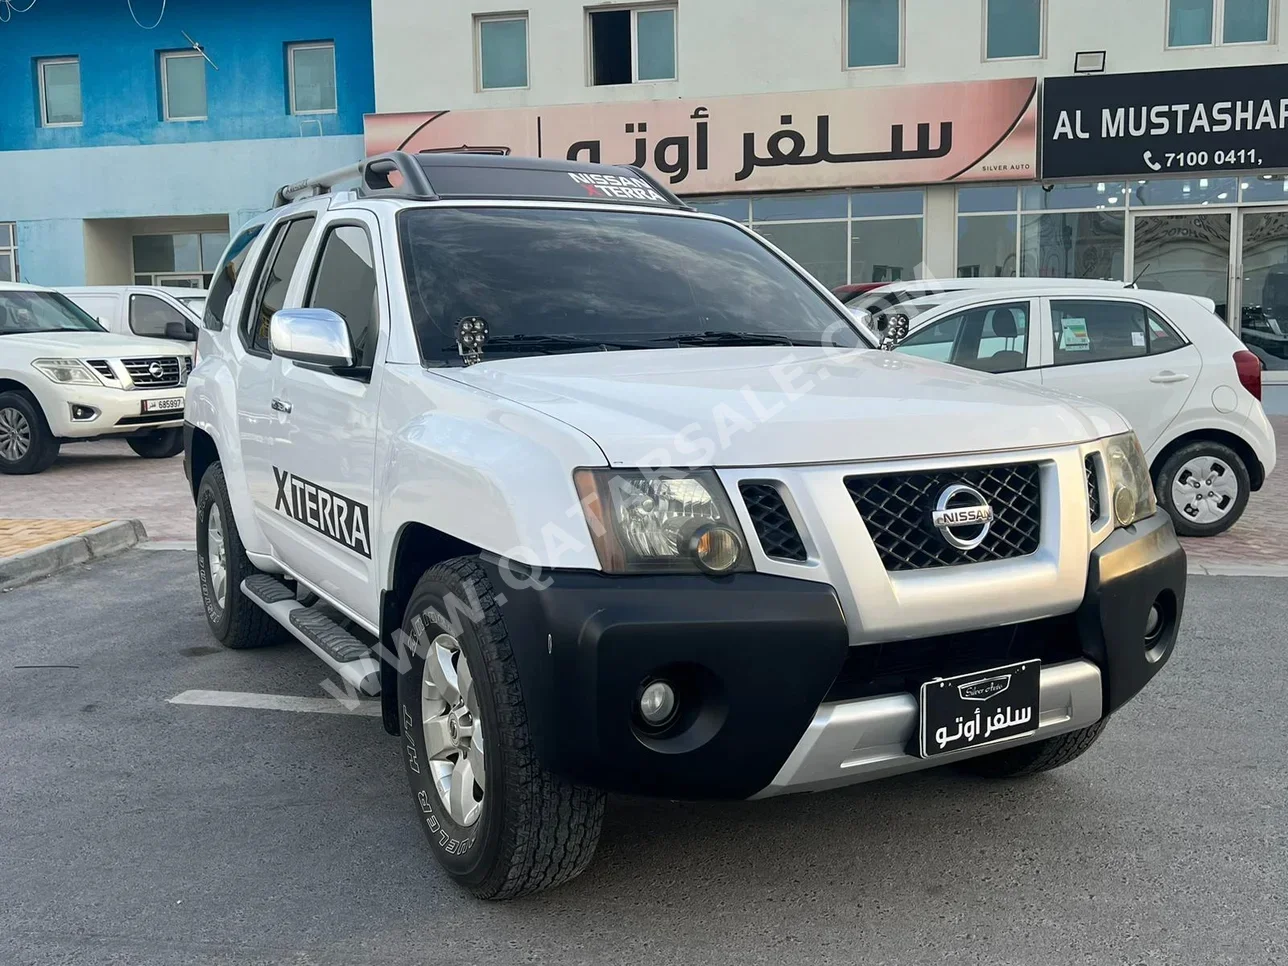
<point>970,131</point>
<point>1178,122</point>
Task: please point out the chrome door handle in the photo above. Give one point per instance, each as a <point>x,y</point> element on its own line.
<point>281,405</point>
<point>1167,376</point>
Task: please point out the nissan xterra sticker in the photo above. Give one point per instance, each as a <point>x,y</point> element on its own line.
<point>623,187</point>
<point>343,520</point>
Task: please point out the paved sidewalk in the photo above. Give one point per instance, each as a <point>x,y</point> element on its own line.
<point>105,481</point>
<point>17,536</point>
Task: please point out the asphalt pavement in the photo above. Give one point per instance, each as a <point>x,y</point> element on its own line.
<point>137,831</point>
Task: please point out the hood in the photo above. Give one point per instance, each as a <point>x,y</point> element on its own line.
<point>88,345</point>
<point>774,406</point>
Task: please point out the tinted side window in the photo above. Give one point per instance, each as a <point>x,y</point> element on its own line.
<point>1002,341</point>
<point>275,280</point>
<point>1093,331</point>
<point>221,287</point>
<point>935,341</point>
<point>149,315</point>
<point>345,283</point>
<point>1162,337</point>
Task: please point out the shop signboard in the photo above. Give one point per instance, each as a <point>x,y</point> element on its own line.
<point>869,137</point>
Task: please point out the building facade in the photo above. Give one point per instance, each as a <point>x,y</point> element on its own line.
<point>891,139</point>
<point>134,136</point>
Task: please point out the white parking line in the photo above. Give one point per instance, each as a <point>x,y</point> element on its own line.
<point>275,702</point>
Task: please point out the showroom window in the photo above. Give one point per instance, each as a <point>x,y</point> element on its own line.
<point>183,86</point>
<point>632,44</point>
<point>839,237</point>
<point>1059,231</point>
<point>502,52</point>
<point>8,251</point>
<point>183,260</point>
<point>1202,23</point>
<point>873,33</point>
<point>312,78</point>
<point>60,92</point>
<point>1013,28</point>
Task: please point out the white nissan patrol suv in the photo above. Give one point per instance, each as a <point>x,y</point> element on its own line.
<point>602,494</point>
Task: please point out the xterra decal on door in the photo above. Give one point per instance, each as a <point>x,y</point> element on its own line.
<point>343,520</point>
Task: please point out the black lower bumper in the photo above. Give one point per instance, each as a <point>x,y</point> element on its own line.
<point>752,656</point>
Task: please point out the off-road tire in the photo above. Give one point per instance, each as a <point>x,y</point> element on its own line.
<point>239,623</point>
<point>160,444</point>
<point>536,830</point>
<point>1167,473</point>
<point>44,448</point>
<point>1036,757</point>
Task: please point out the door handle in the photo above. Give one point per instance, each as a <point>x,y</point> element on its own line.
<point>1167,376</point>
<point>281,405</point>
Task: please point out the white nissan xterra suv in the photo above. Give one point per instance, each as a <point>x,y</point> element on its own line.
<point>602,494</point>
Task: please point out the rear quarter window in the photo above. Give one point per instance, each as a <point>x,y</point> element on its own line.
<point>226,276</point>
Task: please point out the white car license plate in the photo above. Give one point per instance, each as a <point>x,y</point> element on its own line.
<point>174,404</point>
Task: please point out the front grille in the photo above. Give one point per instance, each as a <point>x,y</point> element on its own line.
<point>897,512</point>
<point>778,535</point>
<point>144,377</point>
<point>102,368</point>
<point>903,666</point>
<point>1093,488</point>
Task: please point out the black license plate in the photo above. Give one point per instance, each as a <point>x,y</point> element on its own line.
<point>979,708</point>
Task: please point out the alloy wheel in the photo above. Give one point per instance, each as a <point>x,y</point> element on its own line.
<point>15,435</point>
<point>453,730</point>
<point>217,556</point>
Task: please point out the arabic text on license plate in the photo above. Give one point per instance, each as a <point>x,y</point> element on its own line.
<point>162,405</point>
<point>979,708</point>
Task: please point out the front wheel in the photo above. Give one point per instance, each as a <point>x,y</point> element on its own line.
<point>1204,487</point>
<point>26,444</point>
<point>1037,756</point>
<point>497,821</point>
<point>160,444</point>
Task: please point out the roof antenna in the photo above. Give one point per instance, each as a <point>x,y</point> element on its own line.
<point>199,49</point>
<point>1139,275</point>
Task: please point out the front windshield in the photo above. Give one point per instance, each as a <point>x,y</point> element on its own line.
<point>589,280</point>
<point>25,312</point>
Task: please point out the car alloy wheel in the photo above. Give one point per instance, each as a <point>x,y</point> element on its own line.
<point>453,731</point>
<point>217,556</point>
<point>1205,489</point>
<point>15,435</point>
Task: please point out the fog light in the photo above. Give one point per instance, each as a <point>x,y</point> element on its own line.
<point>657,703</point>
<point>83,414</point>
<point>1153,623</point>
<point>715,548</point>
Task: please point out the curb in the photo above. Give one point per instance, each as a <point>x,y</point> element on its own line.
<point>1234,568</point>
<point>111,538</point>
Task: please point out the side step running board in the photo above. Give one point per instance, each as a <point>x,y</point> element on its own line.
<point>340,650</point>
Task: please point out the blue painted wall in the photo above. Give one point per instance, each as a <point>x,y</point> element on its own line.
<point>246,97</point>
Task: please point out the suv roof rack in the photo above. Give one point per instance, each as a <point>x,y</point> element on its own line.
<point>485,173</point>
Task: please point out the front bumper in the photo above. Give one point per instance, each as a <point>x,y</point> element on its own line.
<point>115,412</point>
<point>777,698</point>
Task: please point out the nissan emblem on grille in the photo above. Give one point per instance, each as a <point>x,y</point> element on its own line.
<point>962,516</point>
<point>155,370</point>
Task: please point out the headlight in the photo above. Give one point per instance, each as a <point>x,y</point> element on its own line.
<point>666,521</point>
<point>67,371</point>
<point>1131,491</point>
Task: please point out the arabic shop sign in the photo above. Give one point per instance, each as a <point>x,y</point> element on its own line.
<point>972,131</point>
<point>1180,121</point>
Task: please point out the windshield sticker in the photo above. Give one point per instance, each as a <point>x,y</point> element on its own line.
<point>621,187</point>
<point>1073,335</point>
<point>334,516</point>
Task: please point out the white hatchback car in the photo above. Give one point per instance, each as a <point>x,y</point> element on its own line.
<point>1184,381</point>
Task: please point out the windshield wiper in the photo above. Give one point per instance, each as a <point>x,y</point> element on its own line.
<point>730,338</point>
<point>553,343</point>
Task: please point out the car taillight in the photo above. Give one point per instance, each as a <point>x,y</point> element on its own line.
<point>1248,366</point>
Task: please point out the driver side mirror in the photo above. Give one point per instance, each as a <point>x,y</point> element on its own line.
<point>894,331</point>
<point>317,337</point>
<point>182,331</point>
